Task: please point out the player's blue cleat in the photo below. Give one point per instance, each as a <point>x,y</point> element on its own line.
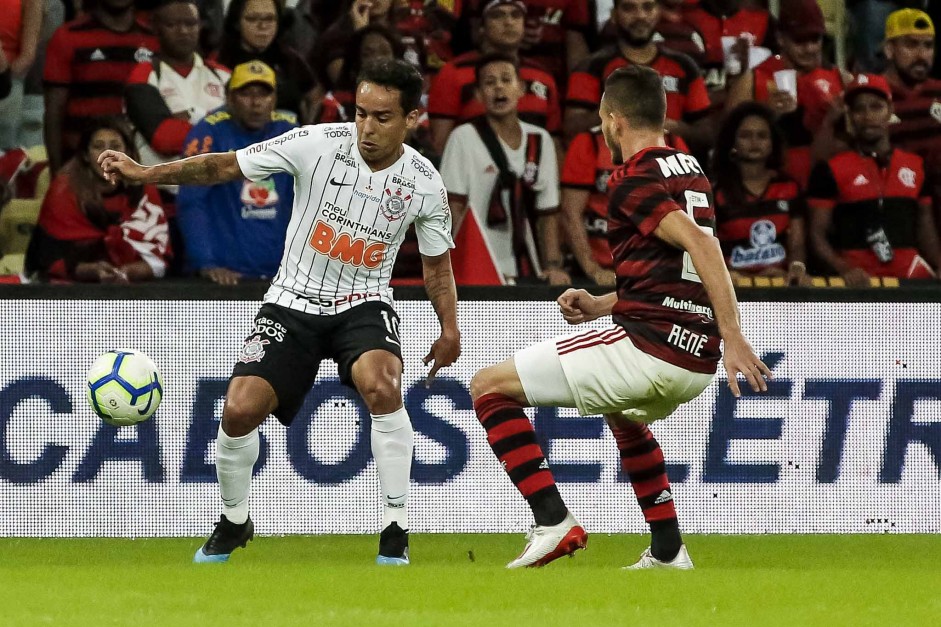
<point>225,538</point>
<point>393,546</point>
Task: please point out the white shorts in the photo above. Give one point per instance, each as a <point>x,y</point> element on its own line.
<point>602,372</point>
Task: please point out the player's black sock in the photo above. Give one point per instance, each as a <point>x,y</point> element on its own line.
<point>513,440</point>
<point>665,539</point>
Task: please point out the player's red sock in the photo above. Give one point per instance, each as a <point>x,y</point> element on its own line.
<point>513,440</point>
<point>642,462</point>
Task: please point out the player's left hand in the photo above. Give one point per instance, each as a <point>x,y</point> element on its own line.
<point>444,352</point>
<point>739,357</point>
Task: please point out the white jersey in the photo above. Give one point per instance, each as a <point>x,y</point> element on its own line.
<point>348,222</point>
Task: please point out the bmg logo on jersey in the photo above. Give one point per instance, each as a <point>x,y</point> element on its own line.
<point>345,248</point>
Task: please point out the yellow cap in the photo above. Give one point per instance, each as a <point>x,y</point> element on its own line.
<point>908,22</point>
<point>251,72</point>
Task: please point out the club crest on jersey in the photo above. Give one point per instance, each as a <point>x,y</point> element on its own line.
<point>935,111</point>
<point>394,204</point>
<point>253,350</point>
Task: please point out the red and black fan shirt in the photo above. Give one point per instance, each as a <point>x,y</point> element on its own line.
<point>687,98</point>
<point>453,93</point>
<point>753,232</point>
<point>751,23</point>
<point>918,128</point>
<point>661,300</point>
<point>94,63</point>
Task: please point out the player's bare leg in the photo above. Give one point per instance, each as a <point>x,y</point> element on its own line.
<point>642,461</point>
<point>499,399</point>
<point>378,378</point>
<point>248,402</point>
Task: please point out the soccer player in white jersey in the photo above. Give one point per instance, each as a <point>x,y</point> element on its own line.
<point>357,189</point>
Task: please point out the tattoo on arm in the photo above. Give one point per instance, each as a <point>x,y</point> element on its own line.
<point>439,285</point>
<point>206,169</point>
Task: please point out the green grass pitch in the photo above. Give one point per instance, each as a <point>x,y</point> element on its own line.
<point>331,580</point>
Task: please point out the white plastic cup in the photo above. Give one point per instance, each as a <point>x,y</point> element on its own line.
<point>786,80</point>
<point>733,64</point>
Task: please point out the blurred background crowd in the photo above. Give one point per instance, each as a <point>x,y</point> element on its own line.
<point>818,121</point>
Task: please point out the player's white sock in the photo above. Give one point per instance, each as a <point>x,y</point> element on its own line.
<point>235,458</point>
<point>392,443</point>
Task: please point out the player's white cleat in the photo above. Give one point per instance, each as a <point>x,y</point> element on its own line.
<point>647,560</point>
<point>549,543</point>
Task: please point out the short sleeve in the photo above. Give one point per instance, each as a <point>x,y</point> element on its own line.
<point>444,98</point>
<point>822,190</point>
<point>578,169</point>
<point>643,198</point>
<point>291,152</point>
<point>58,68</point>
<point>697,99</point>
<point>584,89</point>
<point>454,167</point>
<point>433,224</point>
<point>547,192</point>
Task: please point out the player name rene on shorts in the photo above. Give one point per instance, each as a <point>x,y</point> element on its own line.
<point>687,340</point>
<point>679,164</point>
<point>687,305</point>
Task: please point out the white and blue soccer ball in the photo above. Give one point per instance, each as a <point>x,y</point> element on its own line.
<point>124,387</point>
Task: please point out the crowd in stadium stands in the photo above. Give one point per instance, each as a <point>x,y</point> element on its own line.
<point>819,122</point>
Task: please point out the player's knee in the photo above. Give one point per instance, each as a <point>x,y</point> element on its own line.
<point>241,415</point>
<point>483,382</point>
<point>382,394</point>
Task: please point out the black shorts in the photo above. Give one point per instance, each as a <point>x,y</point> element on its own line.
<point>285,347</point>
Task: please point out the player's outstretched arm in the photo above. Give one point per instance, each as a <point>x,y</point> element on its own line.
<point>207,169</point>
<point>678,229</point>
<point>439,284</point>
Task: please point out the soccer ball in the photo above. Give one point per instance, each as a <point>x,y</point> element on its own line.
<point>124,387</point>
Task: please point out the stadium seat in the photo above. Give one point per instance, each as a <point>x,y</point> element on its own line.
<point>37,153</point>
<point>16,224</point>
<point>12,264</point>
<point>42,184</point>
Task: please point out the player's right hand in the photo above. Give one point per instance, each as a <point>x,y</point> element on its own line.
<point>117,166</point>
<point>739,357</point>
<point>578,306</point>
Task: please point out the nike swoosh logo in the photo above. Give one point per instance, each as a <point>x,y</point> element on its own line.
<point>333,181</point>
<point>396,498</point>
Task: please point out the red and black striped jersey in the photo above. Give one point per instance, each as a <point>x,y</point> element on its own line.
<point>687,98</point>
<point>453,93</point>
<point>753,233</point>
<point>752,23</point>
<point>661,300</point>
<point>95,62</point>
<point>919,127</point>
<point>863,193</point>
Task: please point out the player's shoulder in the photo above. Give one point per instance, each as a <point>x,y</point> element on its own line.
<point>339,132</point>
<point>419,168</point>
<point>664,162</point>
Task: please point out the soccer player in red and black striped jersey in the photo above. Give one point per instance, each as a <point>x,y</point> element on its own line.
<point>674,301</point>
<point>687,100</point>
<point>88,62</point>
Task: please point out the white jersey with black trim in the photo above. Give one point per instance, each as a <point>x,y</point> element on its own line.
<point>348,222</point>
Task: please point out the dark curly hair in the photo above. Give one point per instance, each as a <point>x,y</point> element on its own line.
<point>395,74</point>
<point>725,170</point>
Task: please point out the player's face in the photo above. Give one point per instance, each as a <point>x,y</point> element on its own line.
<point>259,24</point>
<point>500,89</point>
<point>609,129</point>
<point>636,20</point>
<point>381,123</point>
<point>102,140</point>
<point>912,56</point>
<point>753,140</point>
<point>504,26</point>
<point>177,28</point>
<point>805,54</point>
<point>251,105</point>
<point>869,114</point>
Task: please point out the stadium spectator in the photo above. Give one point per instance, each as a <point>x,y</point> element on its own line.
<point>870,209</point>
<point>236,229</point>
<point>869,17</point>
<point>687,99</point>
<point>88,61</point>
<point>92,230</point>
<point>502,179</point>
<point>799,68</point>
<point>585,174</point>
<point>673,31</point>
<point>19,37</point>
<point>253,30</point>
<point>453,99</point>
<point>375,41</point>
<point>909,49</point>
<point>760,210</point>
<point>715,19</point>
<point>556,33</point>
<point>175,89</point>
